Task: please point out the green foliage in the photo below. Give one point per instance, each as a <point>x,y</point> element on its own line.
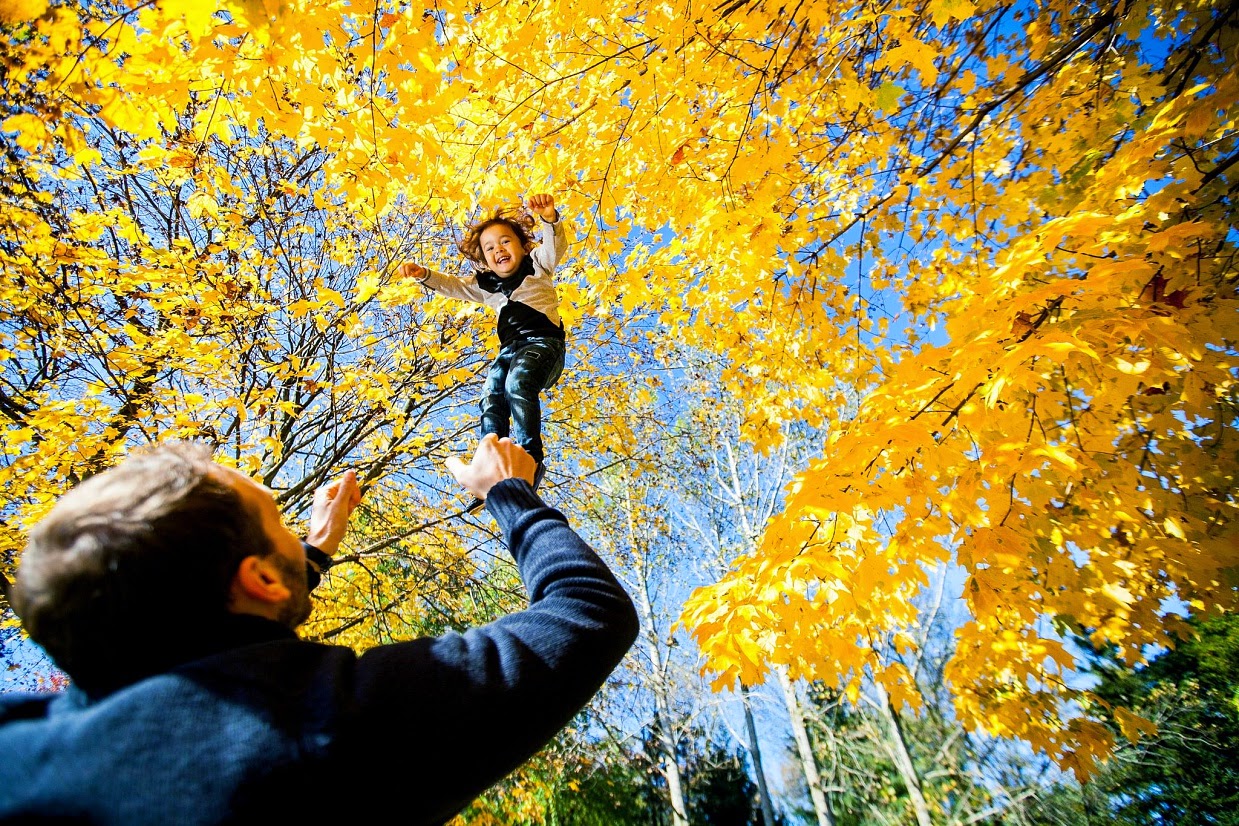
<point>720,791</point>
<point>620,786</point>
<point>1188,773</point>
<point>611,793</point>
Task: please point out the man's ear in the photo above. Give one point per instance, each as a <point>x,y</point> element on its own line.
<point>258,579</point>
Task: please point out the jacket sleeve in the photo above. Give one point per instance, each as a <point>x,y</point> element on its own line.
<point>554,244</point>
<point>466,289</point>
<point>473,706</point>
<point>315,563</point>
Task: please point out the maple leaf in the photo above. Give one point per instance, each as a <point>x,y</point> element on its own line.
<point>13,12</point>
<point>943,11</point>
<point>918,55</point>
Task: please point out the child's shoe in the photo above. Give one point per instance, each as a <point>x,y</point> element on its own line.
<point>475,505</point>
<point>538,474</point>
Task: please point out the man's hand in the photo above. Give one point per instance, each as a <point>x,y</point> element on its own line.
<point>544,207</point>
<point>495,460</point>
<point>409,269</point>
<point>333,504</point>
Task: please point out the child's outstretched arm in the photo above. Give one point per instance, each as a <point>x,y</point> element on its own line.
<point>544,207</point>
<point>466,289</point>
<point>410,269</point>
<point>555,241</point>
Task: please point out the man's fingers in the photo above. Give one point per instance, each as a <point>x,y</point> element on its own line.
<point>349,483</point>
<point>339,494</point>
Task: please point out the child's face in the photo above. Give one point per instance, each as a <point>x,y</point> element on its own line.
<point>502,249</point>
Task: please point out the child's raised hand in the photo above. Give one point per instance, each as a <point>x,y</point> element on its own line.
<point>411,270</point>
<point>543,205</point>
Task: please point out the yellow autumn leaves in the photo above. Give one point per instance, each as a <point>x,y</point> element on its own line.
<point>13,12</point>
<point>987,250</point>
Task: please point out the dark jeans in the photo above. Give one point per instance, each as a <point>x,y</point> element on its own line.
<point>519,373</point>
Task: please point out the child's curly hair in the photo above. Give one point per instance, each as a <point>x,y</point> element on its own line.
<point>517,219</point>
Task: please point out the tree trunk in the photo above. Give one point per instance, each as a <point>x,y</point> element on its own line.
<point>767,808</point>
<point>670,766</point>
<point>665,724</point>
<point>897,747</point>
<point>808,763</point>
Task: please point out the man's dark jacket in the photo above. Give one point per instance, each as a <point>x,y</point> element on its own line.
<point>272,726</point>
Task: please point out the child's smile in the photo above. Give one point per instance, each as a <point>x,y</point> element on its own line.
<point>502,249</point>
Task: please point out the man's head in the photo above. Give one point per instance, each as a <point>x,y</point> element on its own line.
<point>500,242</point>
<point>137,561</point>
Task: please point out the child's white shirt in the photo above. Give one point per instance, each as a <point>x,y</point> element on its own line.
<point>537,291</point>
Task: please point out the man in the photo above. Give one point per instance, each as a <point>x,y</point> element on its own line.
<point>168,589</point>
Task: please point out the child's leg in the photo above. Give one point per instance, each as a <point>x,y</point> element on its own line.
<point>494,404</point>
<point>535,368</point>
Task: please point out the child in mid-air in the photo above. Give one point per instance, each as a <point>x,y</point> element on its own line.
<point>515,281</point>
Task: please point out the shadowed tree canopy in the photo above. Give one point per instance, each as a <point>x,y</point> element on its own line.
<point>1184,772</point>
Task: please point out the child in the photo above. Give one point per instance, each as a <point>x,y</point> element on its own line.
<point>517,285</point>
